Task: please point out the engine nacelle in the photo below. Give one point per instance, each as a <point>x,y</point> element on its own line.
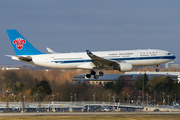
<point>123,67</point>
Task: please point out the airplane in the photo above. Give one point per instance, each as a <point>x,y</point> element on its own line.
<point>123,60</point>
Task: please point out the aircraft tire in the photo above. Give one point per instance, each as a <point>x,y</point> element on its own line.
<point>101,73</point>
<point>88,75</point>
<point>93,72</point>
<point>96,76</point>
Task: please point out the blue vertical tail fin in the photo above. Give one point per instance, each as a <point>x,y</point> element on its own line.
<point>20,44</point>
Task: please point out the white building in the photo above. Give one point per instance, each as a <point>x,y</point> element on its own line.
<point>5,68</point>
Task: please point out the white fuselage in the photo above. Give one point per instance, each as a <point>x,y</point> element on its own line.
<point>81,60</point>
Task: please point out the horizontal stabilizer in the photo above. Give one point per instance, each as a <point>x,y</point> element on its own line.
<point>22,58</point>
<point>9,55</point>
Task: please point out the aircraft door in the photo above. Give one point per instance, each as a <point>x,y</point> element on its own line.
<point>136,55</point>
<point>47,60</point>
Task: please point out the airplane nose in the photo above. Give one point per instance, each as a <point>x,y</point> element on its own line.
<point>174,56</point>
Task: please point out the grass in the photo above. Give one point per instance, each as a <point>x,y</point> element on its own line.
<point>117,117</point>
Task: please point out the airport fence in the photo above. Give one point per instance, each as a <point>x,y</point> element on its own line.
<point>79,106</point>
<point>66,106</point>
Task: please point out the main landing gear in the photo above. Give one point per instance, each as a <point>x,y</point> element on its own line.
<point>157,68</point>
<point>92,72</point>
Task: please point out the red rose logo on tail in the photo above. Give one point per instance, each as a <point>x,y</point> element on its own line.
<point>19,43</point>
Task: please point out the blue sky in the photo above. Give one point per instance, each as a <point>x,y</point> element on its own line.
<point>78,25</point>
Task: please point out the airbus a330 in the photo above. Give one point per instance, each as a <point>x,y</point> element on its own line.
<point>96,62</point>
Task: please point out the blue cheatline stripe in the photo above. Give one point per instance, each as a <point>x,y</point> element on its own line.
<point>72,61</point>
<point>117,59</point>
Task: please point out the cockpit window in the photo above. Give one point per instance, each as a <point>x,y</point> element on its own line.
<point>168,53</point>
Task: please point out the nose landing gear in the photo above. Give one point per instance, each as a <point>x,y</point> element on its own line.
<point>157,68</point>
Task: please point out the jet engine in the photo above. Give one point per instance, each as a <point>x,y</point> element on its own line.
<point>123,66</point>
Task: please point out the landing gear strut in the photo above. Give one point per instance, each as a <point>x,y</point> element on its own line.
<point>92,72</point>
<point>157,68</point>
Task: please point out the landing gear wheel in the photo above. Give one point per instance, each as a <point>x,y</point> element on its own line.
<point>96,76</point>
<point>157,70</point>
<point>88,75</point>
<point>92,72</point>
<point>101,73</point>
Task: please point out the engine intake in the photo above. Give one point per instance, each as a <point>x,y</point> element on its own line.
<point>123,67</point>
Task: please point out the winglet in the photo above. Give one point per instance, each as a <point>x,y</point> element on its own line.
<point>89,52</point>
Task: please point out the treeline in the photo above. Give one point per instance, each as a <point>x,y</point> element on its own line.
<point>29,82</point>
<point>156,89</point>
<point>56,85</point>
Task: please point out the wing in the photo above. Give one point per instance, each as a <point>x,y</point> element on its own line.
<point>101,62</point>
